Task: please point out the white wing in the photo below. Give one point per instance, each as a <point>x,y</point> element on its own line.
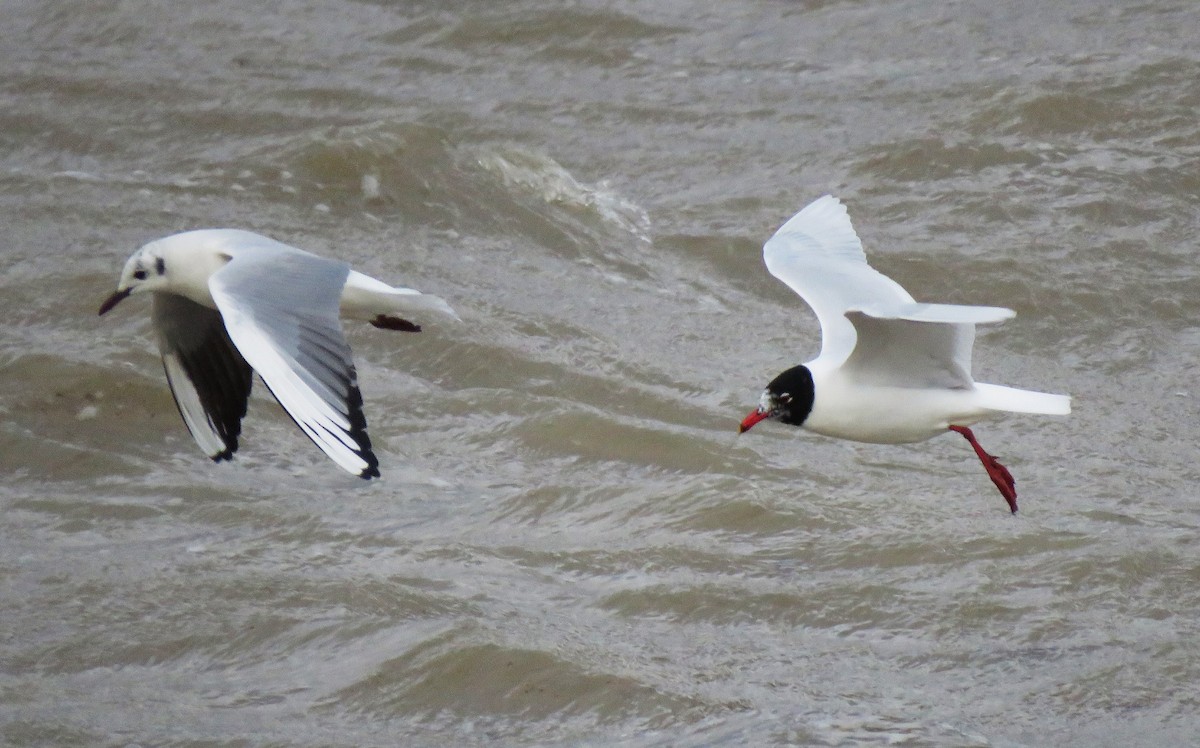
<point>280,306</point>
<point>907,353</point>
<point>819,256</point>
<point>209,378</point>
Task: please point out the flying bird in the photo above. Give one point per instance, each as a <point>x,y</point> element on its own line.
<point>226,303</point>
<point>890,370</point>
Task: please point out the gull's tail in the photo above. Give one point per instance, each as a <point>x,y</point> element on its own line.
<point>417,302</point>
<point>1013,400</point>
<point>365,297</point>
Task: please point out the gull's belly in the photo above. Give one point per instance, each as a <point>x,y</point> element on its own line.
<point>890,415</point>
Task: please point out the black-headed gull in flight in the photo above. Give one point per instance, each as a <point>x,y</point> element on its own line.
<point>891,370</point>
<point>226,302</point>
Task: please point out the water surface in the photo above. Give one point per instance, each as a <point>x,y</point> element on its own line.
<point>570,545</point>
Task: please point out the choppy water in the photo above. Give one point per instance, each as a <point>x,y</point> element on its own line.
<point>570,546</point>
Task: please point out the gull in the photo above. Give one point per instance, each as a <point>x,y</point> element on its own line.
<point>890,370</point>
<point>226,303</point>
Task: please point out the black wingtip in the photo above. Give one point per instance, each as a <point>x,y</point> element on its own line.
<point>358,427</point>
<point>231,442</point>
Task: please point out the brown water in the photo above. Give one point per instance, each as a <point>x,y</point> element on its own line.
<point>570,545</point>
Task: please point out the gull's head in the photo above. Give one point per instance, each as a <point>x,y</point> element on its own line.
<point>146,270</point>
<point>787,399</point>
<point>180,263</point>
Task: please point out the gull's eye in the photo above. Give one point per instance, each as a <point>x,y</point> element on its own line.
<point>785,398</point>
<point>139,274</point>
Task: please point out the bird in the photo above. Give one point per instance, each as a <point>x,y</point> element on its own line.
<point>226,303</point>
<point>890,370</point>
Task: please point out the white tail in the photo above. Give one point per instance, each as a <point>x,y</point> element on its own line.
<point>365,297</point>
<point>416,302</point>
<point>1013,400</point>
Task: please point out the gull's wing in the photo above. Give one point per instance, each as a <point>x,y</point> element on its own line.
<point>907,353</point>
<point>209,378</point>
<point>920,345</point>
<point>819,256</point>
<point>280,306</point>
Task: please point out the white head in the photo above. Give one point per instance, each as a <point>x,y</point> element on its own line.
<point>146,270</point>
<point>180,263</point>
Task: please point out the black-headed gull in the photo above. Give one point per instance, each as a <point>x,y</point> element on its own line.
<point>227,301</point>
<point>890,370</point>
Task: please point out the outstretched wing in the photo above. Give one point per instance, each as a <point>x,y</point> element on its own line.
<point>930,347</point>
<point>906,353</point>
<point>819,256</point>
<point>280,307</point>
<point>208,377</point>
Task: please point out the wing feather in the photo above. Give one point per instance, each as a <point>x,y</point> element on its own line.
<point>910,353</point>
<point>209,379</point>
<point>281,310</point>
<point>818,255</point>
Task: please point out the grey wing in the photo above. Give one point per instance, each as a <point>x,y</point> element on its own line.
<point>209,379</point>
<point>910,353</point>
<point>281,310</point>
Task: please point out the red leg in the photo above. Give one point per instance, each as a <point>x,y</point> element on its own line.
<point>997,472</point>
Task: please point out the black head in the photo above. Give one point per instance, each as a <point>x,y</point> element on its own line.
<point>788,399</point>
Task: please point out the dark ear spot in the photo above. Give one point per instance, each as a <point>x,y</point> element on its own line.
<point>160,267</point>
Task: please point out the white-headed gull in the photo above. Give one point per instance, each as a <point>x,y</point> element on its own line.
<point>890,370</point>
<point>227,301</point>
